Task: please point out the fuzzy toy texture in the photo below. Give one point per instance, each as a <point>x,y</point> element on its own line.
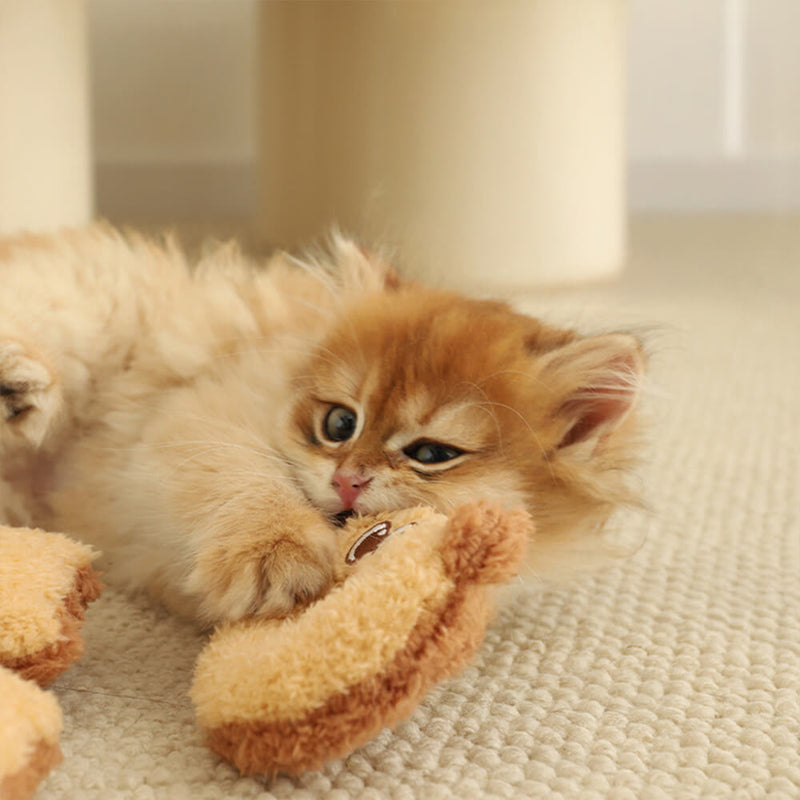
<point>46,582</point>
<point>410,608</point>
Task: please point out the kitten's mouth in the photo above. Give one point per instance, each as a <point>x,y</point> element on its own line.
<point>342,517</point>
<point>338,518</point>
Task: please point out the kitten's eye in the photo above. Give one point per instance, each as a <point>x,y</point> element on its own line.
<point>432,452</point>
<point>340,424</point>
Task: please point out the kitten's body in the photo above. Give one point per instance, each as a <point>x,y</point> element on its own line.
<point>180,419</point>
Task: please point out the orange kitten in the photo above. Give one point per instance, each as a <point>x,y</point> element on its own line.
<point>205,426</point>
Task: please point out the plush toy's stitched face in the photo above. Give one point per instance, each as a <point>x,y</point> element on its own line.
<point>372,539</point>
<point>362,536</point>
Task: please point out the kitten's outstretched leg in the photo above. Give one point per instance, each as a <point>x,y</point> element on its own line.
<point>30,396</point>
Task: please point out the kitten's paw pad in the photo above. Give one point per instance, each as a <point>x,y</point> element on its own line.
<point>266,580</point>
<point>29,398</point>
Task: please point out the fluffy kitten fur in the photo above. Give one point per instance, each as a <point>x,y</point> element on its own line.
<point>180,418</point>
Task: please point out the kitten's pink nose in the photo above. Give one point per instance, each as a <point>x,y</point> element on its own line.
<point>348,486</point>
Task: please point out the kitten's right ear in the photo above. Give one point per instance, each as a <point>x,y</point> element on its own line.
<point>361,269</point>
<point>594,384</point>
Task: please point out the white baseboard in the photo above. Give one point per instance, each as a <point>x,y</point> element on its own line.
<point>751,184</point>
<point>147,191</point>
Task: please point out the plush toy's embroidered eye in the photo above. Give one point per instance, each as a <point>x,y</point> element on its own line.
<point>432,452</point>
<point>340,424</point>
<point>368,541</point>
<point>372,539</point>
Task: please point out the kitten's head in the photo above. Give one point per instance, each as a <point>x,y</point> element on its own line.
<point>423,396</point>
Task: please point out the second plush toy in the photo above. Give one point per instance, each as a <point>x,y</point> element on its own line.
<point>46,582</point>
<point>409,608</point>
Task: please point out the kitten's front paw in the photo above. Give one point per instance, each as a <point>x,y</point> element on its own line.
<point>265,575</point>
<point>29,397</point>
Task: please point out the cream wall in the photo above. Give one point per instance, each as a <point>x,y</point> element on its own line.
<point>713,104</point>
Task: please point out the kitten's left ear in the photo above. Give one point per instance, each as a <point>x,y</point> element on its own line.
<point>595,383</point>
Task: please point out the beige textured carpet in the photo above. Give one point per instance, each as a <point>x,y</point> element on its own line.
<point>674,674</point>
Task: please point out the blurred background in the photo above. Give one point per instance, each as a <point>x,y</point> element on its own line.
<point>522,132</point>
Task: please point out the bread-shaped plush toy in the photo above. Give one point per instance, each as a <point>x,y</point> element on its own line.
<point>46,582</point>
<point>409,608</point>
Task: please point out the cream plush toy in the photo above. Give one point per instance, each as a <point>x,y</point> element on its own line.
<point>46,582</point>
<point>409,608</point>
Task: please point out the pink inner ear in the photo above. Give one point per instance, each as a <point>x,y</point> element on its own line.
<point>603,411</point>
<point>601,407</point>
